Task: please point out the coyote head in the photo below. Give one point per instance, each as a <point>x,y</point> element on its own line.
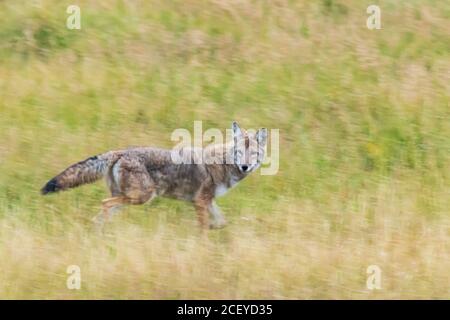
<point>248,148</point>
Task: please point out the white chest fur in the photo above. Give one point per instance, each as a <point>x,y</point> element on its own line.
<point>223,188</point>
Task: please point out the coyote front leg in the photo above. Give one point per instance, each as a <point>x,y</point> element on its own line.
<point>202,201</point>
<point>218,220</point>
<point>202,213</point>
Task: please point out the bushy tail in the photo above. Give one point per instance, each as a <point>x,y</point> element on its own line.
<point>86,171</point>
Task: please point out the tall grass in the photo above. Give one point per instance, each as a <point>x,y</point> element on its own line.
<point>364,160</point>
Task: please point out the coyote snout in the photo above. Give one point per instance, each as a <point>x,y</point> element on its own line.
<point>135,176</point>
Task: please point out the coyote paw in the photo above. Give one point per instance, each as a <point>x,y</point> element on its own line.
<point>217,224</point>
<point>98,221</point>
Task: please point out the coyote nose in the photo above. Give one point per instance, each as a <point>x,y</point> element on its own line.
<point>244,168</point>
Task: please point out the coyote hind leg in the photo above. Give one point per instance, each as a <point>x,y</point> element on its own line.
<point>129,183</point>
<point>111,205</point>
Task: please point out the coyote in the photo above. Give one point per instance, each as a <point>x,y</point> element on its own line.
<point>135,176</point>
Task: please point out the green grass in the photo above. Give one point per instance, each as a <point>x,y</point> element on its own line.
<point>364,147</point>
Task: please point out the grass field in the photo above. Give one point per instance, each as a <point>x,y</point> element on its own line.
<point>364,125</point>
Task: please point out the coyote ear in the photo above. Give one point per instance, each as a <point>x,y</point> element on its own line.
<point>237,132</point>
<point>261,137</point>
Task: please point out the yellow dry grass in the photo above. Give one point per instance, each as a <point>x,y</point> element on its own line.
<point>364,147</point>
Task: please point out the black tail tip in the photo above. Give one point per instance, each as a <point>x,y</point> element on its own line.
<point>50,187</point>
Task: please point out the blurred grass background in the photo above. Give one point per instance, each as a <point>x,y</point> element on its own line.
<point>364,160</point>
